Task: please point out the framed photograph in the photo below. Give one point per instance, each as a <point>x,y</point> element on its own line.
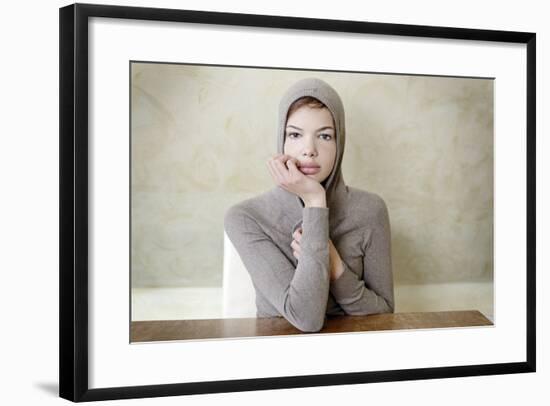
<point>240,193</point>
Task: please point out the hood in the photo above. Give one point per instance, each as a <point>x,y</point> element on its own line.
<point>334,185</point>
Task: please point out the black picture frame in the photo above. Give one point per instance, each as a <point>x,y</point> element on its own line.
<point>74,172</point>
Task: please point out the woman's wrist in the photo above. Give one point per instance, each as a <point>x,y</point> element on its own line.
<point>318,200</point>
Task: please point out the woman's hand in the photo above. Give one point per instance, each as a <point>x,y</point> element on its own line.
<point>295,244</point>
<point>336,266</point>
<point>286,174</point>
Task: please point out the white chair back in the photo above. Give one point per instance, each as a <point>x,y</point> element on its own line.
<point>239,295</point>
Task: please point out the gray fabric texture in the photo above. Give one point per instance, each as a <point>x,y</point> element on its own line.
<point>356,221</point>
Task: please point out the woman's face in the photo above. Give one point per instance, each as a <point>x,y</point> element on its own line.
<point>310,137</point>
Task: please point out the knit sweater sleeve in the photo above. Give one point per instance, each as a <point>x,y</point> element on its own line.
<point>299,293</point>
<point>373,293</point>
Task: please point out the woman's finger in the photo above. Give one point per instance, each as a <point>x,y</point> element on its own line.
<point>268,164</point>
<point>282,157</point>
<point>295,245</point>
<point>286,167</point>
<point>271,171</point>
<point>297,235</point>
<point>276,173</point>
<point>293,169</point>
<point>281,170</point>
<point>285,160</point>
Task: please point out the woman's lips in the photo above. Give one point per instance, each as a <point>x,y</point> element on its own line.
<point>309,170</point>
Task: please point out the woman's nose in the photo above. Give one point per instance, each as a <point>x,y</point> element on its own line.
<point>309,152</point>
<point>309,148</point>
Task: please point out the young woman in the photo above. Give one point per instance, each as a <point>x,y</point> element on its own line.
<point>312,245</point>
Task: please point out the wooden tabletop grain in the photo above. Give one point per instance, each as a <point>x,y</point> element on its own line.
<point>167,330</point>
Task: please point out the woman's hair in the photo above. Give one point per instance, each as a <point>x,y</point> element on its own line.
<point>305,101</point>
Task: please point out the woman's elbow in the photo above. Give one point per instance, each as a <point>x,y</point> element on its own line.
<point>307,321</point>
<point>303,316</point>
<point>311,325</point>
<point>390,305</point>
<point>379,307</point>
<point>385,306</point>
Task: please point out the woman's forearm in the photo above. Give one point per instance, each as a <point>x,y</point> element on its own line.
<point>307,297</point>
<point>373,292</point>
<point>298,293</point>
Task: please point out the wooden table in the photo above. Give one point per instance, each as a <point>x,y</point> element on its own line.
<point>167,330</point>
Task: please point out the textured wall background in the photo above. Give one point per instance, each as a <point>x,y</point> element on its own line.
<point>201,137</point>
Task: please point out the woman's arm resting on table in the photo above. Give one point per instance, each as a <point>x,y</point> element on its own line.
<point>374,294</point>
<point>298,293</point>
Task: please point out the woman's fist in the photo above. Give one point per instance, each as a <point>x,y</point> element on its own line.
<point>284,171</point>
<point>295,244</point>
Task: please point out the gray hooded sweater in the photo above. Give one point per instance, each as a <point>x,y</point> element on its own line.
<point>355,220</point>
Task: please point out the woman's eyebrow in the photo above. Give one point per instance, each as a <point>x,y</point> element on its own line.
<point>293,126</point>
<point>320,129</point>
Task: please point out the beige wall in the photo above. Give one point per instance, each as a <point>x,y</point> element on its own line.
<point>201,136</point>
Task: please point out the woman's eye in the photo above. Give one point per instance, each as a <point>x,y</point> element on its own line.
<point>293,135</point>
<point>326,137</point>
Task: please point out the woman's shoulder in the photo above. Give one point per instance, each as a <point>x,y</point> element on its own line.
<point>369,204</point>
<point>251,208</point>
